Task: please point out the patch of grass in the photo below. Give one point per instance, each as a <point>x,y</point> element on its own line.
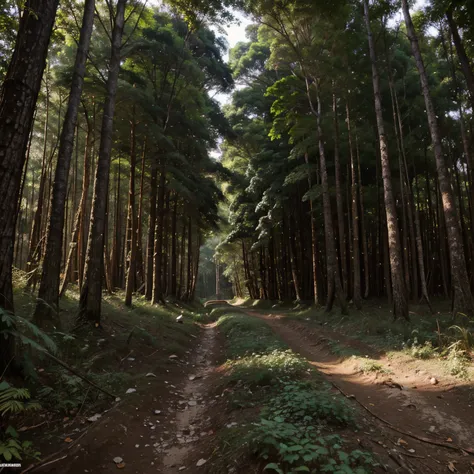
<point>247,335</point>
<point>264,369</point>
<point>370,366</point>
<point>423,351</point>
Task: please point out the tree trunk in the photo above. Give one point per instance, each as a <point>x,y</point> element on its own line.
<point>76,239</point>
<point>173,247</point>
<point>47,305</point>
<point>463,301</point>
<point>131,220</point>
<point>18,97</point>
<point>158,255</point>
<point>140,269</point>
<point>91,292</point>
<point>151,231</point>
<point>34,248</point>
<point>400,301</point>
<point>339,201</point>
<point>356,293</point>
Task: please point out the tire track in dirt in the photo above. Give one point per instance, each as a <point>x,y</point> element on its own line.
<point>435,413</point>
<point>189,422</point>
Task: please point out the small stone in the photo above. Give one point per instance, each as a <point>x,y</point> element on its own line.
<point>192,403</point>
<point>94,417</point>
<point>157,412</point>
<point>182,468</point>
<point>117,460</point>
<point>131,390</point>
<point>433,380</point>
<point>201,462</point>
<point>179,319</point>
<point>173,356</point>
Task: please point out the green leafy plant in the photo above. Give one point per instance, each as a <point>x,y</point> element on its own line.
<point>14,401</point>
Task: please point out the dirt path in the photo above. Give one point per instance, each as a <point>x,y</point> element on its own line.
<point>189,425</point>
<point>155,428</point>
<point>437,412</point>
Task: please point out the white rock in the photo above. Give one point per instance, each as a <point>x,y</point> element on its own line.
<point>201,462</point>
<point>157,412</point>
<point>117,460</point>
<point>94,417</point>
<point>131,390</point>
<point>433,380</point>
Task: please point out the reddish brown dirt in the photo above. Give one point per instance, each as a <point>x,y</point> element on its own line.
<point>441,413</point>
<point>153,429</point>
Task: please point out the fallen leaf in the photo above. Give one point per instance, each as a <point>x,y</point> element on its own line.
<point>68,440</point>
<point>401,441</point>
<point>449,440</point>
<point>451,466</point>
<point>121,465</point>
<point>94,417</point>
<point>149,374</point>
<point>173,356</point>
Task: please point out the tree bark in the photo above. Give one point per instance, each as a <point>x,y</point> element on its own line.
<point>356,289</point>
<point>91,292</point>
<point>157,296</point>
<point>151,231</point>
<point>47,305</point>
<point>18,97</point>
<point>131,220</point>
<point>400,300</point>
<point>463,301</point>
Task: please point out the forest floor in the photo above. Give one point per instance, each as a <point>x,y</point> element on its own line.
<point>209,396</point>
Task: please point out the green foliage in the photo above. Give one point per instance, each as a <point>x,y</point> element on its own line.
<point>368,366</point>
<point>263,369</point>
<point>15,401</point>
<point>291,429</point>
<point>247,335</point>
<point>306,402</point>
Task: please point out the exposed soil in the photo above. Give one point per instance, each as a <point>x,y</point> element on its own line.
<point>151,430</point>
<point>406,399</point>
<point>168,424</point>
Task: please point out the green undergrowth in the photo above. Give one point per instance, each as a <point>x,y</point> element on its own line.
<point>288,419</point>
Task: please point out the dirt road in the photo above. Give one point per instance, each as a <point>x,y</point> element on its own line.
<point>406,400</point>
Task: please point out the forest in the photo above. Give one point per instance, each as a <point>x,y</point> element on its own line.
<point>201,208</point>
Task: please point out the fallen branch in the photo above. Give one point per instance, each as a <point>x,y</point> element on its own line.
<point>407,433</point>
<point>28,428</point>
<point>47,459</point>
<point>75,372</point>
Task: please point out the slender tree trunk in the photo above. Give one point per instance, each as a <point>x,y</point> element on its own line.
<point>400,300</point>
<point>158,255</point>
<point>356,293</point>
<point>463,301</point>
<point>76,239</point>
<point>34,248</point>
<point>339,200</point>
<point>334,280</point>
<point>48,296</point>
<point>151,231</point>
<point>131,219</point>
<point>174,259</point>
<point>365,248</point>
<point>91,292</point>
<point>140,269</point>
